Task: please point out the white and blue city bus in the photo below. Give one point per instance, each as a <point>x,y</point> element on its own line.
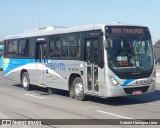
<point>100,60</point>
<point>1,57</point>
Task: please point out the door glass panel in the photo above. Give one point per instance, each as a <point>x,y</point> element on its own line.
<point>44,52</point>
<point>92,65</point>
<point>40,53</point>
<point>89,78</point>
<point>95,52</point>
<point>89,52</point>
<point>40,56</point>
<point>96,84</point>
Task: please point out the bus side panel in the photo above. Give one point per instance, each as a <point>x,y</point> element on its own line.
<point>13,68</point>
<point>1,62</point>
<point>102,86</point>
<point>32,72</point>
<point>59,72</point>
<point>54,75</point>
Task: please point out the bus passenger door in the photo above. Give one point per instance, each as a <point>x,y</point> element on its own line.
<point>40,56</point>
<point>92,65</point>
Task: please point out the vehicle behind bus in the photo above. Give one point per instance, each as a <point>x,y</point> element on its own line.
<point>99,60</point>
<point>1,57</point>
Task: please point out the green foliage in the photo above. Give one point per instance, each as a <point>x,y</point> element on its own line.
<point>158,42</point>
<point>1,42</point>
<point>157,47</point>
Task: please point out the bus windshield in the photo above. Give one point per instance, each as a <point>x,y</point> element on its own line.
<point>129,55</point>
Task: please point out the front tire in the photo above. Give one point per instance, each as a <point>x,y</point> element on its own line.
<point>26,82</point>
<point>78,89</point>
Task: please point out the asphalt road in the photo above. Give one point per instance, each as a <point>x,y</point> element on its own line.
<point>16,103</point>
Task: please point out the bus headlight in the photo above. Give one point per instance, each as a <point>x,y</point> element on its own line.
<point>154,78</point>
<point>114,82</point>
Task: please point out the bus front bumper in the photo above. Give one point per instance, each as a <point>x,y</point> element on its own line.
<point>131,90</point>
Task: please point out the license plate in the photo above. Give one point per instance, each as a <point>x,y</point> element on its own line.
<point>138,92</point>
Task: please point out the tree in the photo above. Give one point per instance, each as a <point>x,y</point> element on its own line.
<point>158,42</point>
<point>1,42</point>
<point>157,47</point>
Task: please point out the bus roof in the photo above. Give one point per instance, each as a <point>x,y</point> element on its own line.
<point>60,30</point>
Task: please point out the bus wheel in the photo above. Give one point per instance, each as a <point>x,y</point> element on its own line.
<point>78,89</point>
<point>25,81</point>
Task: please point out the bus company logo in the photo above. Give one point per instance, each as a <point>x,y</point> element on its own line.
<point>56,66</point>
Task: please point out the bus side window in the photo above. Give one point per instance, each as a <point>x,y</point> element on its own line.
<point>71,46</point>
<point>54,46</point>
<point>57,48</point>
<point>23,50</point>
<point>32,47</point>
<point>13,48</point>
<point>5,48</point>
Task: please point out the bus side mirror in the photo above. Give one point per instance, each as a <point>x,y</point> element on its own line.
<point>106,43</point>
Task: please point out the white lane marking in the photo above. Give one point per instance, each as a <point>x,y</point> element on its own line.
<point>113,114</point>
<point>35,96</point>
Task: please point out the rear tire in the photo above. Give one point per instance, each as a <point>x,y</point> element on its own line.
<point>71,92</point>
<point>26,82</point>
<point>77,89</point>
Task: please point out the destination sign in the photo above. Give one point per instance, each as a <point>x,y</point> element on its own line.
<point>127,30</point>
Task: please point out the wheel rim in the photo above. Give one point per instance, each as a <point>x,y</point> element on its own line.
<point>25,81</point>
<point>78,89</point>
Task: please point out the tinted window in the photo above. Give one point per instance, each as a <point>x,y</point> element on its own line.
<point>1,52</point>
<point>5,48</point>
<point>71,46</point>
<point>13,48</point>
<point>130,54</point>
<point>55,47</point>
<point>23,48</point>
<point>32,47</point>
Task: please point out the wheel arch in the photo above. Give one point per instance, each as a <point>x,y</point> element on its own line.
<point>72,77</point>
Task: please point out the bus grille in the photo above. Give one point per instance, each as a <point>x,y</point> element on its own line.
<point>130,90</point>
<point>134,76</point>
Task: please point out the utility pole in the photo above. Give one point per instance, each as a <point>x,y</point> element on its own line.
<point>37,14</point>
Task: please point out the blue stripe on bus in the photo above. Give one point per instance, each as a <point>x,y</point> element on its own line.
<point>11,64</point>
<point>124,82</point>
<point>1,46</point>
<point>1,56</point>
